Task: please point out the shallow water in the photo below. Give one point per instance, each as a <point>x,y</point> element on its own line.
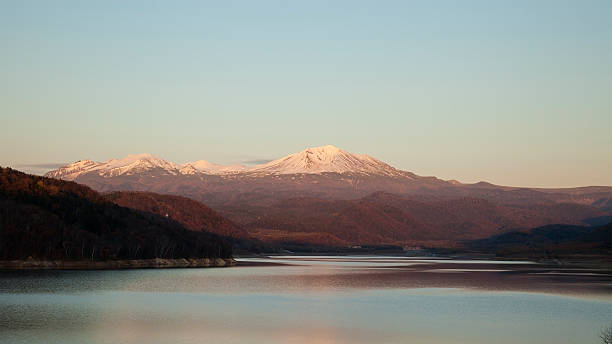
<point>311,300</point>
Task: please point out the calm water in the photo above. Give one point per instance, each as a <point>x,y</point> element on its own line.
<point>310,300</point>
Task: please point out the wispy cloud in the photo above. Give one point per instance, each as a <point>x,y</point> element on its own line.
<point>256,161</point>
<point>52,165</point>
<point>39,169</point>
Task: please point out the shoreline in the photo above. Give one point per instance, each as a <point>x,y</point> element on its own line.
<point>157,263</point>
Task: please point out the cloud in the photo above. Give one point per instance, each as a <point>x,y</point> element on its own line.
<point>39,169</point>
<point>257,161</point>
<point>50,166</point>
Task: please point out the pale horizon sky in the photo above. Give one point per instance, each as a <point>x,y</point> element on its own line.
<point>511,92</point>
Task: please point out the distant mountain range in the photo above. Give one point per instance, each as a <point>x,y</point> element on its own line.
<point>325,195</point>
<point>326,159</point>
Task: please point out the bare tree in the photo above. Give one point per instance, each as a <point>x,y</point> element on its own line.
<point>606,335</point>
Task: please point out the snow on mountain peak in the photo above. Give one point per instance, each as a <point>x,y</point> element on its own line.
<point>71,171</point>
<point>314,160</point>
<point>139,163</point>
<point>328,158</point>
<point>135,163</point>
<point>204,166</point>
<point>131,164</point>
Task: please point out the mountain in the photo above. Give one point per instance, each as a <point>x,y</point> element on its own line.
<point>205,167</point>
<point>49,219</point>
<point>317,160</point>
<point>324,172</point>
<point>373,202</point>
<point>327,172</point>
<point>72,171</point>
<point>327,159</point>
<point>130,165</point>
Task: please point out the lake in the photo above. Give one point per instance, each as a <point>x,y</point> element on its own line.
<point>319,299</point>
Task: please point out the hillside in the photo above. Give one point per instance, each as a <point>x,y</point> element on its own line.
<point>49,219</point>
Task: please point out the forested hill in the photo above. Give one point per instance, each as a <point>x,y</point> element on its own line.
<point>552,240</point>
<point>49,219</point>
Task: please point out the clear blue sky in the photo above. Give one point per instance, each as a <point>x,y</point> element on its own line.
<point>512,92</point>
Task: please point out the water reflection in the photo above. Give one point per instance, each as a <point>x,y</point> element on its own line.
<point>310,300</point>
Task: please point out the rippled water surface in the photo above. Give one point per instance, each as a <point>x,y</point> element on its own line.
<point>311,300</point>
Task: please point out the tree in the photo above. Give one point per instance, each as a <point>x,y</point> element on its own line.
<point>606,335</point>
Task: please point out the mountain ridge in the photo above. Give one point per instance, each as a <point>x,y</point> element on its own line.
<point>314,160</point>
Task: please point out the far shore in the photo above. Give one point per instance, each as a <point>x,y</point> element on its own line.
<point>158,263</point>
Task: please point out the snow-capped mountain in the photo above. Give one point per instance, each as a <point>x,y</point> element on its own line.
<point>134,164</point>
<point>130,165</point>
<point>203,166</point>
<point>326,195</point>
<point>71,171</point>
<point>324,172</point>
<point>315,160</point>
<point>329,158</point>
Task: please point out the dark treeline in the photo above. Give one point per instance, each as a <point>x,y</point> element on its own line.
<point>549,241</point>
<point>45,219</point>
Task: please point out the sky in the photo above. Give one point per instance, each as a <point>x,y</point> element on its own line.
<point>512,92</point>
